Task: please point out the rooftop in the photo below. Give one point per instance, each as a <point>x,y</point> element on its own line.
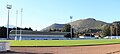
<point>38,32</point>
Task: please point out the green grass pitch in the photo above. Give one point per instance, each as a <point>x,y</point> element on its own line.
<point>62,42</point>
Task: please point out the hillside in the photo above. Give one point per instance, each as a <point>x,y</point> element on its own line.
<point>80,25</point>
<point>88,23</point>
<point>53,26</point>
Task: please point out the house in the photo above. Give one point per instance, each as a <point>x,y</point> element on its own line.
<point>36,35</point>
<point>86,36</point>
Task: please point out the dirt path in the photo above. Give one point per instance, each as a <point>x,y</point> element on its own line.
<point>102,49</point>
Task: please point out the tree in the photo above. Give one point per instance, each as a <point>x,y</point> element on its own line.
<point>18,28</point>
<point>27,28</point>
<point>30,29</point>
<point>50,30</point>
<point>54,30</point>
<point>106,30</point>
<point>66,28</point>
<point>115,28</point>
<point>3,32</point>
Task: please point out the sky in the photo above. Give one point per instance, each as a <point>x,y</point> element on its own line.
<point>39,14</point>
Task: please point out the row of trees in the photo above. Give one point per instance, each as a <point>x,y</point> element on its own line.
<point>18,28</point>
<point>111,29</point>
<point>3,30</point>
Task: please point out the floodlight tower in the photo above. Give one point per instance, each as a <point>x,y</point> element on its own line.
<point>16,24</point>
<point>8,7</point>
<point>71,26</point>
<point>21,25</point>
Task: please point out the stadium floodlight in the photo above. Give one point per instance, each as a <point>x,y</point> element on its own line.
<point>16,24</point>
<point>21,25</point>
<point>71,26</point>
<point>8,7</point>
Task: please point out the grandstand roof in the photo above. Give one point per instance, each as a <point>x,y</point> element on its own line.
<point>38,32</point>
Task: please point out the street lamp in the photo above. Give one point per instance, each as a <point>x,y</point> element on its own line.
<point>71,26</point>
<point>8,7</point>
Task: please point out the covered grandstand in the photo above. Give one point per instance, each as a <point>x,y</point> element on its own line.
<point>37,35</point>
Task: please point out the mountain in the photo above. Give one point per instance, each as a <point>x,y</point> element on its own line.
<point>88,23</point>
<point>53,26</point>
<point>80,25</point>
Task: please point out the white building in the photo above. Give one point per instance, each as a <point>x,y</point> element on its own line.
<point>37,35</point>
